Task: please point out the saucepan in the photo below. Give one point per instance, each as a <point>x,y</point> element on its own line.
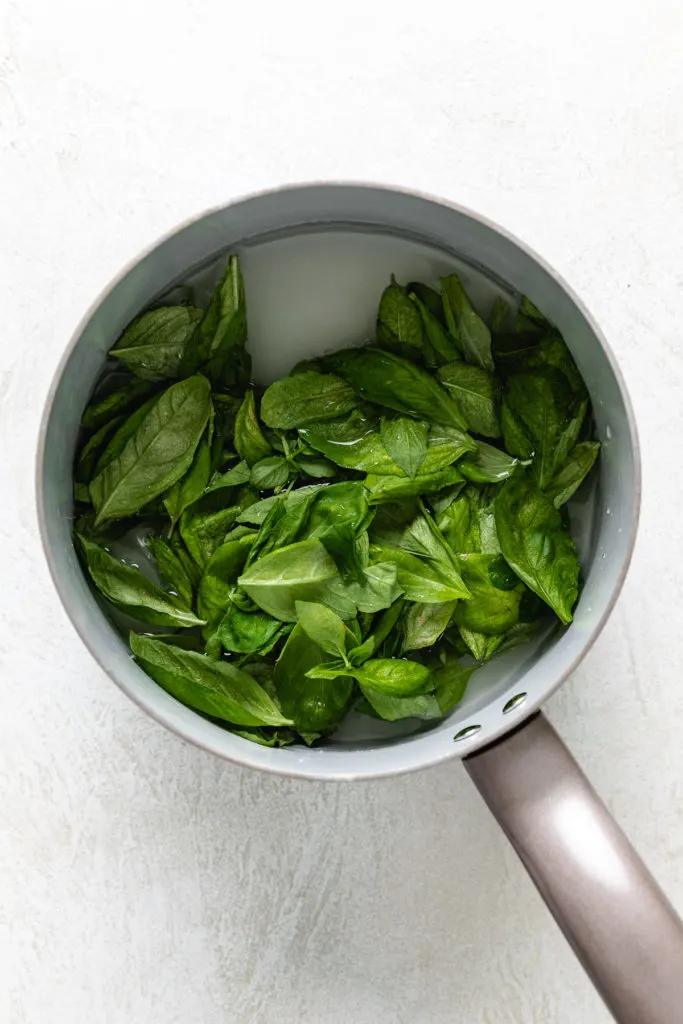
<point>315,257</point>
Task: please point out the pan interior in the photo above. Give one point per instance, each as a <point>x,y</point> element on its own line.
<point>315,290</point>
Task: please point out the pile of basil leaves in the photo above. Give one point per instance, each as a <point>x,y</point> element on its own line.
<point>361,535</point>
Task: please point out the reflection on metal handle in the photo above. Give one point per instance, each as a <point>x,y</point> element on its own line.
<point>621,926</point>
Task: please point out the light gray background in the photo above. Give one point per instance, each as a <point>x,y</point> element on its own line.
<point>142,881</point>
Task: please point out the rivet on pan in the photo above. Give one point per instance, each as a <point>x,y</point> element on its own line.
<point>465,733</point>
<point>514,702</point>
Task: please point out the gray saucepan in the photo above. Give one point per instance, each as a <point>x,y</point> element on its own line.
<point>315,259</point>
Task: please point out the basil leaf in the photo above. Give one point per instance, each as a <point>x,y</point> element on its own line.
<point>572,472</point>
<point>316,467</point>
<point>536,544</point>
<point>542,402</point>
<point>500,316</point>
<point>481,646</point>
<point>530,320</point>
<point>420,580</point>
<point>465,324</point>
<point>171,569</point>
<point>391,488</point>
<point>515,435</point>
<point>552,353</point>
<point>428,297</point>
<point>247,632</point>
<point>395,383</point>
<point>153,346</point>
<point>270,474</point>
<point>250,443</point>
<point>220,577</point>
<point>127,589</point>
<point>306,398</point>
<point>490,609</point>
<point>451,682</point>
<point>101,410</point>
<point>92,449</point>
<point>217,347</point>
<point>442,345</point>
<point>159,452</point>
<point>235,477</point>
<point>128,425</point>
<point>256,514</point>
<point>487,465</point>
<point>191,486</point>
<point>377,589</point>
<point>405,440</point>
<point>204,530</point>
<point>423,624</point>
<point>323,627</point>
<point>398,320</point>
<point>299,572</point>
<point>475,392</point>
<point>216,688</point>
<point>315,705</point>
<point>397,677</point>
<point>392,709</point>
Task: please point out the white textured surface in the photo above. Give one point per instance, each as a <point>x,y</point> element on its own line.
<point>141,880</point>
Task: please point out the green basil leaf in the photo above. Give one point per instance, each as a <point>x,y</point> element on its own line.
<point>395,383</point>
<point>572,472</point>
<point>541,400</point>
<point>443,346</point>
<point>451,682</point>
<point>481,646</point>
<point>153,346</point>
<point>204,530</point>
<point>420,580</point>
<point>536,544</point>
<point>530,320</point>
<point>423,624</point>
<point>247,632</point>
<point>256,514</point>
<point>392,709</point>
<point>464,323</point>
<point>171,569</point>
<point>315,705</point>
<point>391,488</point>
<point>377,589</point>
<point>127,589</point>
<point>92,450</point>
<point>313,465</point>
<point>428,297</point>
<point>475,392</point>
<point>490,610</point>
<point>103,409</point>
<point>306,398</point>
<point>398,319</point>
<point>299,572</point>
<point>159,452</point>
<point>220,577</point>
<point>235,477</point>
<point>330,670</point>
<point>216,688</point>
<point>217,347</point>
<point>191,486</point>
<point>500,316</point>
<point>323,627</point>
<point>270,474</point>
<point>250,443</point>
<point>267,737</point>
<point>487,465</point>
<point>405,440</point>
<point>128,426</point>
<point>395,676</point>
<point>553,353</point>
<point>515,435</point>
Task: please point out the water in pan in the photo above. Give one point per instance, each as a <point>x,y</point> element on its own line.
<point>317,291</point>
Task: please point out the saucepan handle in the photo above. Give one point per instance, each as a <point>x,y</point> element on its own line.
<point>619,922</point>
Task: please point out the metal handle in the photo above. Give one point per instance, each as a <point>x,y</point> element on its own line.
<point>617,919</point>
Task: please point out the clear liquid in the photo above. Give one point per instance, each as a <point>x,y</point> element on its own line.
<point>315,291</point>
